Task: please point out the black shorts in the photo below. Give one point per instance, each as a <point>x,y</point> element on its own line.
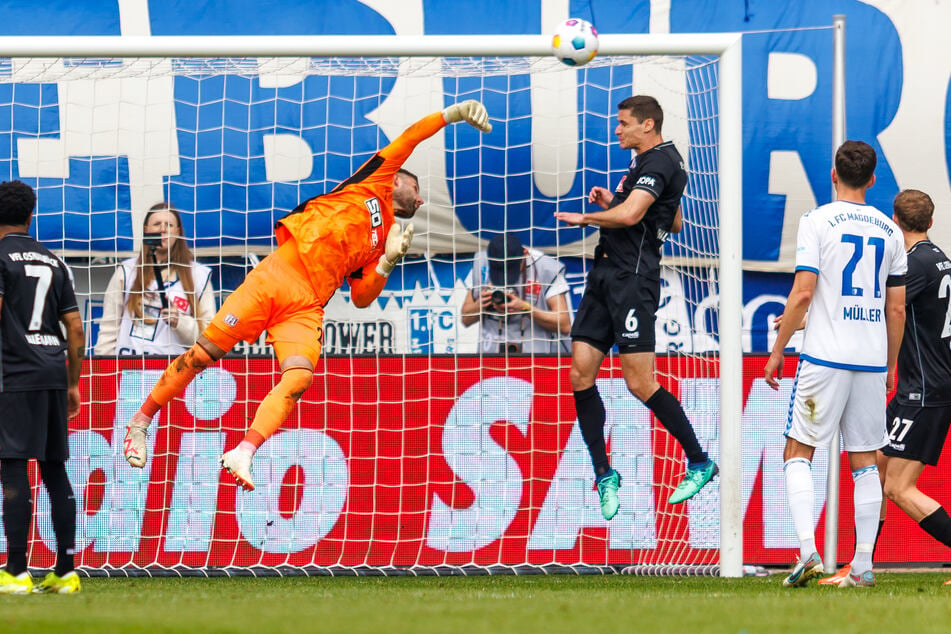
<point>916,433</point>
<point>618,307</point>
<point>33,425</point>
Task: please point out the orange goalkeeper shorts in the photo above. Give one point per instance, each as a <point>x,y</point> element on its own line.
<point>277,297</point>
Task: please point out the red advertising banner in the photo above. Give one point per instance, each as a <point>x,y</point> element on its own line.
<point>406,461</point>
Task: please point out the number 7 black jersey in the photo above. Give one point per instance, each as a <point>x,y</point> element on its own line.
<point>924,360</point>
<point>37,288</point>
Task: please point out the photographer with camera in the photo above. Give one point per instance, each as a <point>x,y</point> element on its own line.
<point>159,301</point>
<point>520,298</point>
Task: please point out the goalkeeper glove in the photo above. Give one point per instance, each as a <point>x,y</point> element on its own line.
<point>397,244</point>
<point>470,111</point>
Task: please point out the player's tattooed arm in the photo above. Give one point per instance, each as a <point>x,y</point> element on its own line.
<point>75,353</point>
<point>75,345</point>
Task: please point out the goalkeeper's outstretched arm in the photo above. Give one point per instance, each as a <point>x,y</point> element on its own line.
<point>367,286</point>
<point>470,111</point>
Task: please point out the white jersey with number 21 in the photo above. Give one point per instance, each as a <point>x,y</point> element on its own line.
<point>853,249</point>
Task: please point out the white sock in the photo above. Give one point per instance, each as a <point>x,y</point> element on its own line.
<point>799,492</point>
<point>247,447</point>
<point>868,504</point>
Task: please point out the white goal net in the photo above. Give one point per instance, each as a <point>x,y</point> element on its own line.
<point>414,450</point>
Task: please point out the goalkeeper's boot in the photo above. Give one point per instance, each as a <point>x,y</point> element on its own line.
<point>694,480</point>
<point>837,578</point>
<point>237,462</point>
<point>135,446</point>
<point>803,571</point>
<point>864,580</point>
<point>54,584</point>
<point>608,485</point>
<point>19,584</point>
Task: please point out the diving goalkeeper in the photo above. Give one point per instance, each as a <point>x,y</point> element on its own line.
<point>350,232</point>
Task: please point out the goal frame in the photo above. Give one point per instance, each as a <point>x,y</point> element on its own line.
<point>726,46</point>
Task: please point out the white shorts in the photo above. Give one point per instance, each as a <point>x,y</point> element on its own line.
<point>827,400</point>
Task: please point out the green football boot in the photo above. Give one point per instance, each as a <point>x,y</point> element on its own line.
<point>693,481</point>
<point>608,485</point>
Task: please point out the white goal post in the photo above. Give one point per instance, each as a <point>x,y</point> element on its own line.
<point>726,47</point>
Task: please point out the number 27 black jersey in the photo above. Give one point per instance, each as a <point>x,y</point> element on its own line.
<point>924,360</point>
<point>37,288</point>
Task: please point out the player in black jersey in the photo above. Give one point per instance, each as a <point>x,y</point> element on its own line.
<point>622,294</point>
<point>919,414</point>
<point>39,390</point>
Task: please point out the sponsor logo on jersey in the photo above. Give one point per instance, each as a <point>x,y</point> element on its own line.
<point>231,320</point>
<point>376,214</point>
<point>648,181</point>
<point>620,185</point>
<point>533,288</point>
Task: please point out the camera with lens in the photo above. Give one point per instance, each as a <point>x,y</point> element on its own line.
<point>499,295</point>
<point>152,240</point>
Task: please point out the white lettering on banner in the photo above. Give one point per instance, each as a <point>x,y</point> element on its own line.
<point>788,178</point>
<point>90,452</point>
<point>491,473</point>
<point>118,524</point>
<point>764,419</point>
<point>495,478</point>
<point>195,496</point>
<point>325,486</point>
<point>572,503</point>
<point>751,317</point>
<point>700,399</point>
<point>211,394</point>
<point>358,337</point>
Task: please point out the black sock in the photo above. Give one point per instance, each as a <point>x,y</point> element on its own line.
<point>63,513</point>
<point>17,511</point>
<point>938,525</point>
<point>591,417</point>
<point>671,415</point>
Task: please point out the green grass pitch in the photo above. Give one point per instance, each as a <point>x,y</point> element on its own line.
<point>901,602</point>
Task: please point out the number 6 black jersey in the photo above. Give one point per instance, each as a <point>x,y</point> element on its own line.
<point>37,288</point>
<point>637,249</point>
<point>924,360</point>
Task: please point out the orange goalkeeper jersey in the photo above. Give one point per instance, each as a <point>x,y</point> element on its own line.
<point>339,233</point>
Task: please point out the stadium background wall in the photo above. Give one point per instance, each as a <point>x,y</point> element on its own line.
<point>787,80</point>
<point>468,461</point>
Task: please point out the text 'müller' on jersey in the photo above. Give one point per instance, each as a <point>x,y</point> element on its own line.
<point>853,249</point>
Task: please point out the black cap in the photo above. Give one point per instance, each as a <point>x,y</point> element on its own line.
<point>505,256</point>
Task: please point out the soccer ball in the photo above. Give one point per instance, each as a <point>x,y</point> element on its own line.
<point>575,42</point>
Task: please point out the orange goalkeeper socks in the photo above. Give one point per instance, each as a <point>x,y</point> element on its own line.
<point>277,405</point>
<point>175,379</point>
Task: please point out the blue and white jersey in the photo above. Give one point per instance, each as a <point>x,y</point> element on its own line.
<point>857,251</point>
